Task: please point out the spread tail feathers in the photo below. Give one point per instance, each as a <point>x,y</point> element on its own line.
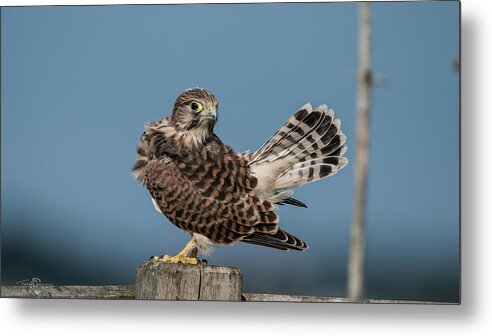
<point>308,147</point>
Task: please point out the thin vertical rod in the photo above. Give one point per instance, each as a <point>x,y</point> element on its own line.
<point>364,84</point>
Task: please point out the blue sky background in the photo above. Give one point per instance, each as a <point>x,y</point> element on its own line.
<point>79,83</point>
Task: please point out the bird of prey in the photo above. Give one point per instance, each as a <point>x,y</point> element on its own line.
<point>221,196</point>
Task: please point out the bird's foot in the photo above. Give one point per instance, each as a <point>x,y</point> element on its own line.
<point>186,256</point>
<point>178,259</point>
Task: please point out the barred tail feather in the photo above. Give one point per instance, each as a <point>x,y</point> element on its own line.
<point>308,147</point>
<point>281,134</point>
<point>309,171</point>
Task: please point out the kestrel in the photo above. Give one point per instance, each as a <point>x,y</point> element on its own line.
<point>220,196</point>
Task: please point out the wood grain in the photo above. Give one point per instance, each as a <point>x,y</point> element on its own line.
<point>109,292</point>
<point>163,281</point>
<point>127,292</point>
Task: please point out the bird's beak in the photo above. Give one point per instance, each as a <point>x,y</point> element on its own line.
<point>210,113</point>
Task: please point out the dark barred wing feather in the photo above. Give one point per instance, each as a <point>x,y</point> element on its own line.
<point>281,240</point>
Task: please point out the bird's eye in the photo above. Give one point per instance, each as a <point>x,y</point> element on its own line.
<point>196,106</point>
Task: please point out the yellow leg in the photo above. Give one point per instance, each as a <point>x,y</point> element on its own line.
<point>182,257</point>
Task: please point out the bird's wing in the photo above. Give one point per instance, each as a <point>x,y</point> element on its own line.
<point>211,195</point>
<point>281,240</point>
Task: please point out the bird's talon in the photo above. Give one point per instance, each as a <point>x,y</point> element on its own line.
<point>177,260</point>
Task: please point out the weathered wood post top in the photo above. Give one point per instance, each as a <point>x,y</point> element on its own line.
<point>166,281</point>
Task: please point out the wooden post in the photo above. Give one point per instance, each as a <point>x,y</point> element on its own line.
<point>164,281</point>
<point>357,235</point>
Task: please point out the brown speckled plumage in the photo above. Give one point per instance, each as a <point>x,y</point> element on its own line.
<point>206,188</point>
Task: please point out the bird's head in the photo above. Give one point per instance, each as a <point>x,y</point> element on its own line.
<point>195,110</point>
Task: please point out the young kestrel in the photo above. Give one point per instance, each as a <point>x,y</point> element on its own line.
<point>221,196</point>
